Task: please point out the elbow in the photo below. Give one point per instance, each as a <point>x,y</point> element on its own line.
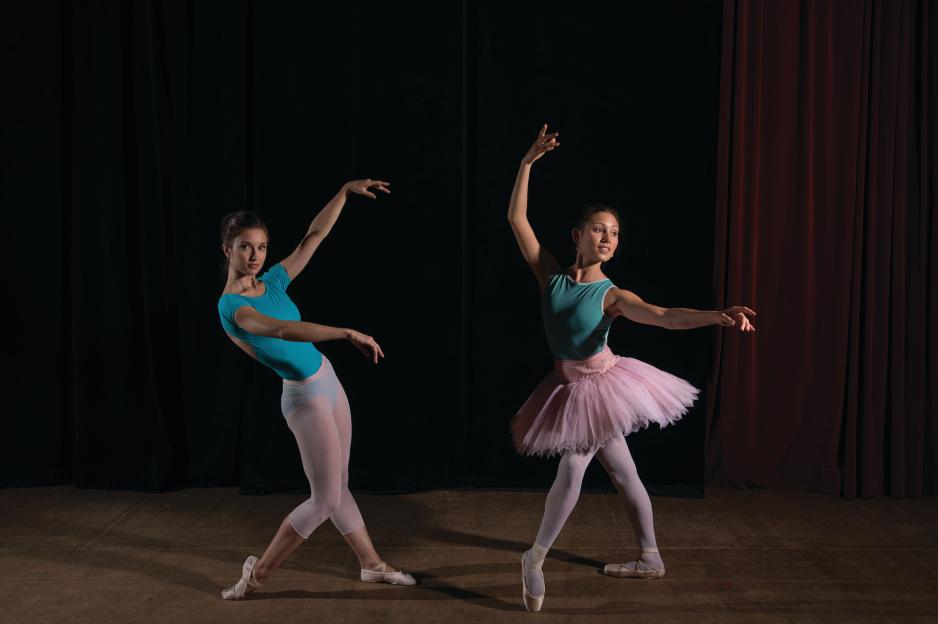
<point>314,237</point>
<point>668,321</point>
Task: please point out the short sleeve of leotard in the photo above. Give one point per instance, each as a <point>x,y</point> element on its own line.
<point>227,306</point>
<point>277,277</point>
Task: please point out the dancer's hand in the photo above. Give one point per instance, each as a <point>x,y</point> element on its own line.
<point>544,143</point>
<point>361,187</point>
<point>738,314</point>
<point>366,344</point>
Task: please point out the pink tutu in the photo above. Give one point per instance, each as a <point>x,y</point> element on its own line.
<point>585,403</point>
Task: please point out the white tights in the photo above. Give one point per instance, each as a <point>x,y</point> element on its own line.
<point>564,493</point>
<point>317,412</point>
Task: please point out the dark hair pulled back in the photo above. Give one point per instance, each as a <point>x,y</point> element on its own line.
<point>590,209</point>
<point>237,222</point>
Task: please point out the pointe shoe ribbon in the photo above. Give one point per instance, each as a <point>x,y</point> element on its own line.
<point>246,585</point>
<point>394,577</point>
<point>634,569</point>
<point>531,602</point>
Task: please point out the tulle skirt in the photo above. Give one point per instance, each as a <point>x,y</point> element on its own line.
<point>583,404</point>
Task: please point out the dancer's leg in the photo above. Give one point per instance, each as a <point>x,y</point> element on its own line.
<point>617,460</point>
<point>347,518</point>
<point>563,496</point>
<point>285,541</point>
<point>561,500</point>
<point>313,425</point>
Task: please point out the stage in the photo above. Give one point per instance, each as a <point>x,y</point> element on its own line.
<point>734,556</point>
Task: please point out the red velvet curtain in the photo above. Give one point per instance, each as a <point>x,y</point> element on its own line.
<point>826,225</point>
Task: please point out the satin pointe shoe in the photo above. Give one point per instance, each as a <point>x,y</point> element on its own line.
<point>531,602</point>
<point>635,569</point>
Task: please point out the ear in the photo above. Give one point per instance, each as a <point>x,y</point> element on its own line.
<point>576,233</point>
<point>226,250</point>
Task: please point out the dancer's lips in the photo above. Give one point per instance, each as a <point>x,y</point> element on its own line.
<point>603,249</point>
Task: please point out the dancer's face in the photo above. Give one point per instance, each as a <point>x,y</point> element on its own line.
<point>248,251</point>
<point>598,239</point>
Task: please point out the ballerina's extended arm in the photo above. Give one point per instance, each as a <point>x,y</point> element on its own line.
<point>540,260</point>
<point>324,220</point>
<point>252,321</point>
<point>621,302</point>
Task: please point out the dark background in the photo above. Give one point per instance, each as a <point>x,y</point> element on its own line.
<point>130,129</point>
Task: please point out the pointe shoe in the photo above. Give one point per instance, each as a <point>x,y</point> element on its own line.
<point>531,602</point>
<point>634,569</point>
<point>246,585</point>
<point>394,577</point>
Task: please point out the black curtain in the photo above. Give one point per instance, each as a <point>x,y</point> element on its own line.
<point>130,129</point>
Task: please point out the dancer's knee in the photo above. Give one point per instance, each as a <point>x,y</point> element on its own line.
<point>574,466</point>
<point>330,502</point>
<point>313,511</point>
<point>570,472</point>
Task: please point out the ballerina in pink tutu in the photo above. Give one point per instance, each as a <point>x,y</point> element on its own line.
<point>594,398</point>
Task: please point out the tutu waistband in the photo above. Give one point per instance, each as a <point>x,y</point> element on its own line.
<point>575,370</point>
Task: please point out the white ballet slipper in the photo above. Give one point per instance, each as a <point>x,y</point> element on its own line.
<point>531,602</point>
<point>635,569</point>
<point>246,585</point>
<point>394,577</point>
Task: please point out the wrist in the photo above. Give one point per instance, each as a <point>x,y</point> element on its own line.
<point>347,333</point>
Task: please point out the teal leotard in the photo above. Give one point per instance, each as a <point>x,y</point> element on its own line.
<point>291,360</point>
<point>574,321</point>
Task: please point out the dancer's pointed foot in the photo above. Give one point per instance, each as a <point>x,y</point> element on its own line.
<point>383,573</point>
<point>648,565</point>
<point>532,581</point>
<point>246,585</point>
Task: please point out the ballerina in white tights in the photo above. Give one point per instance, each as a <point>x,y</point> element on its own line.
<point>594,398</point>
<point>259,317</point>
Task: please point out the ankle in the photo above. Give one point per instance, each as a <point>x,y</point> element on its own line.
<point>375,565</point>
<point>537,553</point>
<point>261,571</point>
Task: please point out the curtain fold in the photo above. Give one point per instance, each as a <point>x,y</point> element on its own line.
<point>825,224</point>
